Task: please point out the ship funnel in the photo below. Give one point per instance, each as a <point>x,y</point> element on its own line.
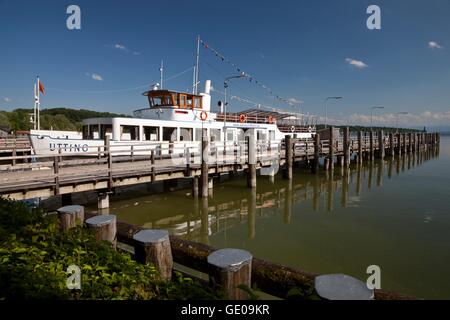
<point>208,86</point>
<point>206,96</point>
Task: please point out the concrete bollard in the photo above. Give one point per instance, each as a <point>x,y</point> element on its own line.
<point>342,287</point>
<point>70,216</point>
<point>153,246</point>
<point>230,268</point>
<point>104,227</point>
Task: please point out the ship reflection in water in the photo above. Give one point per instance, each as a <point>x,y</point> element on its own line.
<point>390,213</point>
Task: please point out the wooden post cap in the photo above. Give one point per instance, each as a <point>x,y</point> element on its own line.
<point>100,220</point>
<point>74,209</point>
<point>342,287</point>
<point>69,216</point>
<point>230,259</point>
<point>148,237</point>
<point>153,246</point>
<point>105,228</point>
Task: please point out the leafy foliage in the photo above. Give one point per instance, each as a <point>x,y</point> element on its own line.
<point>34,256</point>
<point>56,118</point>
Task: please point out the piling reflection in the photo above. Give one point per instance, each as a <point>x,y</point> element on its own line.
<point>200,219</point>
<point>251,216</point>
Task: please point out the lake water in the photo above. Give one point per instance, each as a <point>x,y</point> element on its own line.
<point>394,214</point>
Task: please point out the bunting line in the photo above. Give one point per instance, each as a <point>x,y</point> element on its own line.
<point>251,78</point>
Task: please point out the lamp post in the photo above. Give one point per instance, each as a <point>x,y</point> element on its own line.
<point>397,114</point>
<point>371,115</point>
<point>225,86</point>
<point>326,111</point>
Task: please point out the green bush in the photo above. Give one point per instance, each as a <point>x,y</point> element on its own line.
<point>34,256</point>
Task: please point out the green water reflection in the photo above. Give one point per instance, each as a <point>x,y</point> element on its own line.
<point>394,214</point>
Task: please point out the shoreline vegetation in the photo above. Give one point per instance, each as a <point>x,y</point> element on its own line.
<point>34,257</point>
<point>68,119</point>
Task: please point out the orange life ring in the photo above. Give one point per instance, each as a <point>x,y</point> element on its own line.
<point>270,119</point>
<point>242,118</point>
<point>203,115</point>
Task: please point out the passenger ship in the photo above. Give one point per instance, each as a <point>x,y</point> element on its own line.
<point>173,118</point>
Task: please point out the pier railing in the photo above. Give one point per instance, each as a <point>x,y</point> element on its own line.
<point>108,165</point>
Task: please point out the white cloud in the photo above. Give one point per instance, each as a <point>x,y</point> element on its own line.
<point>434,45</point>
<point>136,53</point>
<point>356,63</point>
<point>294,101</point>
<point>95,76</point>
<point>426,118</point>
<point>7,99</point>
<point>120,47</point>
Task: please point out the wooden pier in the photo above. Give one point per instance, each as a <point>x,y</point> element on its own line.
<point>109,167</point>
<point>14,146</point>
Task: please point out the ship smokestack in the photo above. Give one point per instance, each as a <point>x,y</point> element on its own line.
<point>208,86</point>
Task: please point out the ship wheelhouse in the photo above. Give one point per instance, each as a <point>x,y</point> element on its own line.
<point>171,99</point>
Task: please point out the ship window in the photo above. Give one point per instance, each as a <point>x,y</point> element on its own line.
<point>189,102</point>
<point>198,134</point>
<point>215,135</point>
<point>240,135</point>
<point>128,133</point>
<point>230,135</point>
<point>105,129</point>
<point>197,102</point>
<point>93,131</point>
<point>261,135</point>
<point>185,134</point>
<point>163,100</point>
<point>169,134</point>
<point>151,133</point>
<point>271,135</point>
<point>183,101</point>
<point>85,132</point>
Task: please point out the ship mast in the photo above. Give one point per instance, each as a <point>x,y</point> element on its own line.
<point>161,70</point>
<point>195,86</point>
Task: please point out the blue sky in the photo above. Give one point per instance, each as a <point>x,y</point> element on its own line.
<point>303,50</point>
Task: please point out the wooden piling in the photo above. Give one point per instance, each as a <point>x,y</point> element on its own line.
<point>56,173</point>
<point>346,147</point>
<point>152,161</point>
<point>391,145</point>
<point>381,145</point>
<point>109,155</point>
<point>103,200</point>
<point>153,246</point>
<point>289,156</point>
<point>204,169</point>
<point>14,155</point>
<point>371,146</point>
<point>104,227</point>
<point>229,269</point>
<point>360,147</point>
<point>70,216</point>
<point>315,166</point>
<point>409,142</point>
<point>251,173</point>
<point>331,151</point>
<point>404,143</point>
<point>195,186</point>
